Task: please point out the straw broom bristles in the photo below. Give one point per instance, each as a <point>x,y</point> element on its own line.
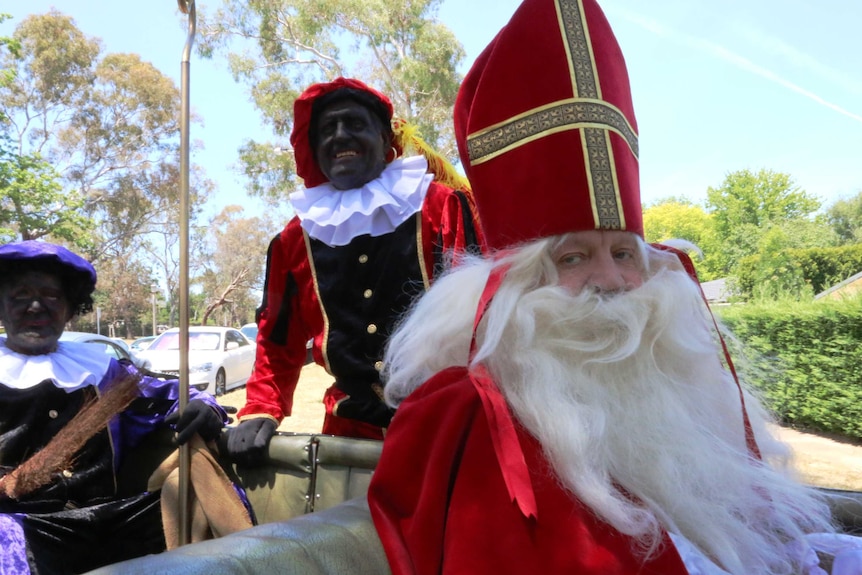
<point>59,454</point>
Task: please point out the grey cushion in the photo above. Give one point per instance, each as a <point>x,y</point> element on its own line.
<point>846,508</point>
<point>280,489</point>
<point>344,469</point>
<point>336,541</point>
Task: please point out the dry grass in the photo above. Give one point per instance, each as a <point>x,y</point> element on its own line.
<point>819,460</point>
<point>824,461</point>
<point>308,409</point>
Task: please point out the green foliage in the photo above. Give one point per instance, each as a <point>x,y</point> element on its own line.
<point>91,157</point>
<point>845,217</point>
<point>279,47</point>
<point>232,274</point>
<point>54,64</point>
<point>819,268</point>
<point>747,205</point>
<point>13,49</point>
<point>778,275</point>
<point>674,218</point>
<point>757,199</point>
<point>32,202</point>
<point>806,360</point>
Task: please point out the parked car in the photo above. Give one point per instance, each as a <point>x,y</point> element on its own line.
<point>249,330</point>
<point>142,343</point>
<point>220,358</point>
<point>117,349</point>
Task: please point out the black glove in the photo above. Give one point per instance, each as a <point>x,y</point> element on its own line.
<point>247,442</point>
<point>198,417</point>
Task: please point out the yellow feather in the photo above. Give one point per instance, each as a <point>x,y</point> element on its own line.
<point>411,143</point>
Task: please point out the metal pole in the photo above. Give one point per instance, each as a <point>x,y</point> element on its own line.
<point>153,293</point>
<point>187,7</point>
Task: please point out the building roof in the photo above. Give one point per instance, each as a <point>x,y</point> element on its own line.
<point>716,291</point>
<point>842,286</point>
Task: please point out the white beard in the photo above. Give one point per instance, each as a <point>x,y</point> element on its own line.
<point>635,411</point>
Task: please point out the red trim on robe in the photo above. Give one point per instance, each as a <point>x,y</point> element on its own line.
<point>688,265</point>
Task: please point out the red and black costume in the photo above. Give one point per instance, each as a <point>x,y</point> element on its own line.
<point>346,296</point>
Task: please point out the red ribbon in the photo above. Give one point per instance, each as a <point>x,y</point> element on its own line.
<point>504,436</point>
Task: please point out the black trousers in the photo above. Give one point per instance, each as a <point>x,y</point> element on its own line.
<point>79,540</point>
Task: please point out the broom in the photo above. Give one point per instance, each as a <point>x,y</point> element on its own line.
<point>59,453</point>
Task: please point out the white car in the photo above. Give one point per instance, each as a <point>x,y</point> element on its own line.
<point>220,358</point>
<point>249,330</point>
<point>116,348</point>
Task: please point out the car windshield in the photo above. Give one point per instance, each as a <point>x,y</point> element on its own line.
<point>201,340</point>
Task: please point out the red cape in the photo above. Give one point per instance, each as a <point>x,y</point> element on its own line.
<point>441,505</point>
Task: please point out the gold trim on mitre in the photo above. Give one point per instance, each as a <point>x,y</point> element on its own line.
<point>585,111</point>
<point>569,114</point>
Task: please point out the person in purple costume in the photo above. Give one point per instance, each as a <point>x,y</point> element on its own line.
<point>80,518</point>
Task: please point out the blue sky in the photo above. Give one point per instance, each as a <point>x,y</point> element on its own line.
<point>717,86</point>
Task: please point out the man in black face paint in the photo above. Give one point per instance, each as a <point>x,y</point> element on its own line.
<point>373,227</point>
<point>63,505</point>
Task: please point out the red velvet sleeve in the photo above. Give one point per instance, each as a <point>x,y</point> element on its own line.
<point>284,326</point>
<point>450,223</point>
<point>411,486</point>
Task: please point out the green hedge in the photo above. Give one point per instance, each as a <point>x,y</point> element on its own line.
<point>805,358</point>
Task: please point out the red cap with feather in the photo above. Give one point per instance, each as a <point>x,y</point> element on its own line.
<point>306,165</point>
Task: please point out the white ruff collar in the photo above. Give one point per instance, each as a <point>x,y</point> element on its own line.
<point>335,217</point>
<point>73,366</point>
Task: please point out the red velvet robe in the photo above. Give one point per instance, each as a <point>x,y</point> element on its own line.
<point>441,505</point>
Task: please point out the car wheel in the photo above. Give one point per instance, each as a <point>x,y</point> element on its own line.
<point>220,382</point>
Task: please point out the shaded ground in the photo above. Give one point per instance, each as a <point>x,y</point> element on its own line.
<point>819,460</point>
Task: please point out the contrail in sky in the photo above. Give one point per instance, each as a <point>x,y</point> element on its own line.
<point>800,59</point>
<point>746,64</point>
<point>735,59</point>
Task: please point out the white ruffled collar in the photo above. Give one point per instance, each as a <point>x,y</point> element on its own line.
<point>73,366</point>
<point>335,217</point>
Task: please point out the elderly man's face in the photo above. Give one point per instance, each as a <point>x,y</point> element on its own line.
<point>34,310</point>
<point>600,260</point>
<point>351,144</point>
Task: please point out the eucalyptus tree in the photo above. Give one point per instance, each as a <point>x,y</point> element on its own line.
<point>108,125</point>
<point>32,202</point>
<point>279,47</point>
<point>232,275</point>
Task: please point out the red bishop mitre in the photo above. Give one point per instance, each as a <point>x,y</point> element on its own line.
<point>547,137</point>
<point>546,129</point>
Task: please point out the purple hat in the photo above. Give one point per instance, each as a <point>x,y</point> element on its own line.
<point>33,250</point>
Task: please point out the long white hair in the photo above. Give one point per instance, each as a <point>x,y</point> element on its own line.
<point>628,397</point>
